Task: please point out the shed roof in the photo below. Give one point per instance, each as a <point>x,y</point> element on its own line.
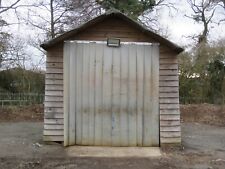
<point>109,14</point>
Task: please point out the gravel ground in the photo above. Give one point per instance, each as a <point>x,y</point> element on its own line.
<point>21,147</point>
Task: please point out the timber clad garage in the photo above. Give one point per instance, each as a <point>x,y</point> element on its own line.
<point>124,93</point>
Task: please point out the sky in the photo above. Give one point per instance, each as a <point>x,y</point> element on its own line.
<point>181,27</point>
<point>177,26</point>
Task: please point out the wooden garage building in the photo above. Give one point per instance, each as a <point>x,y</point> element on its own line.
<point>100,94</point>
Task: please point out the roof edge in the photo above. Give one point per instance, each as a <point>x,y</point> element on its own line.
<point>99,18</point>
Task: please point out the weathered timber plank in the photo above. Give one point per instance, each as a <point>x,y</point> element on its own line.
<point>113,28</point>
<point>168,83</point>
<point>53,121</point>
<point>103,38</point>
<point>170,128</point>
<point>169,122</point>
<point>168,61</point>
<point>53,127</point>
<point>169,66</point>
<point>168,78</point>
<point>112,34</point>
<point>169,117</point>
<point>53,109</point>
<point>169,100</point>
<point>54,65</point>
<point>168,72</point>
<point>52,115</point>
<point>53,132</point>
<point>173,111</point>
<point>54,59</point>
<point>53,104</point>
<point>169,106</point>
<point>170,140</point>
<point>53,93</point>
<point>168,95</point>
<point>53,82</point>
<point>58,76</point>
<point>51,87</point>
<point>165,53</point>
<point>169,89</point>
<point>52,138</point>
<point>170,134</point>
<point>54,70</point>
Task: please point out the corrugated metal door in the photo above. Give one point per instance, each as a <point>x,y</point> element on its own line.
<point>111,94</point>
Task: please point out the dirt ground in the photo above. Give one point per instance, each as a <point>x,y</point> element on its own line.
<point>203,113</point>
<point>203,146</point>
<point>21,147</point>
<point>21,113</point>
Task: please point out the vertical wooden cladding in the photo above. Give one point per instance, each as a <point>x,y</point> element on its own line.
<point>170,130</point>
<point>102,88</point>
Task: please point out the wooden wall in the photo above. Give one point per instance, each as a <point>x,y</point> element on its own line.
<point>53,119</point>
<point>168,84</point>
<point>170,130</point>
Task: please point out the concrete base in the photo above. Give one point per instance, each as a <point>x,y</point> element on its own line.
<point>87,151</point>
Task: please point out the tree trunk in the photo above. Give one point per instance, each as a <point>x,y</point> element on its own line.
<point>52,19</point>
<point>203,36</point>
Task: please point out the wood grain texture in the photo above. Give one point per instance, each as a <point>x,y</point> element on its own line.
<point>170,130</point>
<point>173,140</point>
<point>117,28</point>
<point>53,138</point>
<point>53,121</point>
<point>54,76</point>
<point>54,115</point>
<point>53,127</point>
<point>54,87</point>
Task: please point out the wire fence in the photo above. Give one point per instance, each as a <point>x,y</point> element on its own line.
<point>201,100</point>
<point>19,99</point>
<point>14,99</point>
<point>193,100</point>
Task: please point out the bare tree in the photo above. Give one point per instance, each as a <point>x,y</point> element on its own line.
<point>150,18</point>
<point>203,13</point>
<point>56,16</point>
<point>13,5</point>
<point>222,4</point>
<point>13,53</point>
